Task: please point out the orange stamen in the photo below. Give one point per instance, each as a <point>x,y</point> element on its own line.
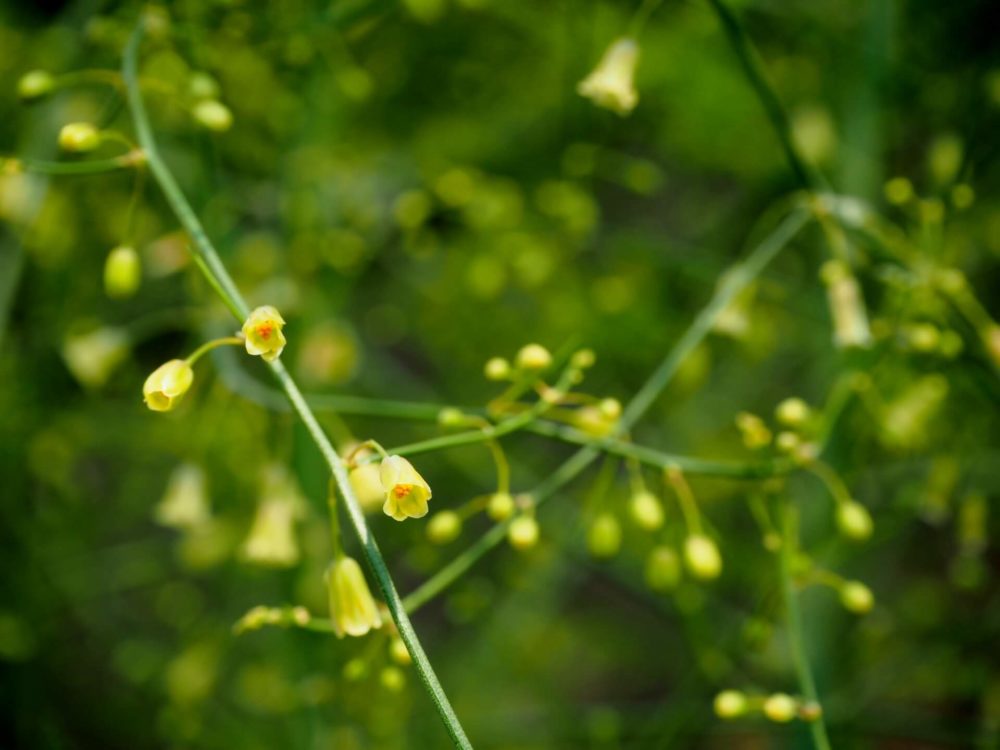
<point>264,331</point>
<point>401,490</point>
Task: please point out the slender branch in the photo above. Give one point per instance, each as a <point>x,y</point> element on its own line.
<point>736,280</point>
<point>749,59</point>
<point>230,293</point>
<point>87,167</point>
<point>796,637</point>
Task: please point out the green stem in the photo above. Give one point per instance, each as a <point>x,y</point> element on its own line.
<point>737,279</point>
<point>93,166</point>
<point>790,534</point>
<point>214,344</point>
<point>753,68</point>
<point>230,293</point>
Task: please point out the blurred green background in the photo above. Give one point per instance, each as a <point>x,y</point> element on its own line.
<point>418,187</point>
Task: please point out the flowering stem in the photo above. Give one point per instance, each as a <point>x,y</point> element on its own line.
<point>789,544</point>
<point>227,289</point>
<point>754,70</point>
<point>92,166</point>
<point>214,344</point>
<point>685,498</point>
<point>737,279</point>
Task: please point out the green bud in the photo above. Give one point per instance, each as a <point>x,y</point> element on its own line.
<point>497,368</point>
<point>604,537</point>
<point>781,708</point>
<point>444,527</point>
<point>702,557</point>
<point>450,417</point>
<point>792,412</point>
<point>583,359</point>
<point>729,704</point>
<point>122,272</point>
<point>399,653</point>
<point>646,510</point>
<point>392,679</point>
<point>79,137</point>
<point>35,84</point>
<point>501,506</point>
<point>856,597</point>
<point>213,115</point>
<point>854,520</point>
<point>523,532</point>
<point>663,569</point>
<point>533,357</point>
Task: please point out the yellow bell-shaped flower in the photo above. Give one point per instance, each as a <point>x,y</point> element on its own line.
<point>352,609</point>
<point>406,492</point>
<point>166,385</point>
<point>610,84</point>
<point>262,331</point>
<point>185,504</point>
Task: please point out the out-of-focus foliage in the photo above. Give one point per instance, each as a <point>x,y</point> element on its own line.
<point>418,187</point>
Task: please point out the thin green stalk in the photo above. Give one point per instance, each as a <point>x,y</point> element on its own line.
<point>749,59</point>
<point>737,279</point>
<point>796,637</point>
<point>92,166</point>
<point>230,293</point>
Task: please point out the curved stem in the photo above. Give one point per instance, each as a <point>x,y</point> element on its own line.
<point>230,293</point>
<point>796,637</point>
<point>93,166</point>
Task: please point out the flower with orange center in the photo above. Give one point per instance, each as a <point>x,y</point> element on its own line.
<point>262,332</point>
<point>406,492</point>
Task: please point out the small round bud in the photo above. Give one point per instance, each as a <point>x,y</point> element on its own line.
<point>497,368</point>
<point>962,196</point>
<point>856,597</point>
<point>583,359</point>
<point>167,384</point>
<point>399,653</point>
<point>203,86</point>
<point>730,704</point>
<point>444,527</point>
<point>593,421</point>
<point>355,670</point>
<point>501,506</point>
<point>523,532</point>
<point>533,357</point>
<point>35,84</point>
<point>755,433</point>
<point>646,510</point>
<point>854,520</point>
<point>787,442</point>
<point>923,337</point>
<point>702,557</point>
<point>663,569</point>
<point>780,708</point>
<point>79,137</point>
<point>450,417</point>
<point>898,191</point>
<point>604,537</point>
<point>212,115</point>
<point>610,408</point>
<point>392,679</point>
<point>792,412</point>
<point>122,272</point>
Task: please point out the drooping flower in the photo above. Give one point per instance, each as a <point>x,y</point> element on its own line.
<point>122,272</point>
<point>702,557</point>
<point>93,356</point>
<point>406,492</point>
<point>271,540</point>
<point>847,306</point>
<point>167,384</point>
<point>610,84</point>
<point>262,330</point>
<point>185,503</point>
<point>352,608</point>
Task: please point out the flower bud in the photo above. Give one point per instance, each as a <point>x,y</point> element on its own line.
<point>352,609</point>
<point>646,510</point>
<point>366,481</point>
<point>533,357</point>
<point>92,357</point>
<point>856,597</point>
<point>610,84</point>
<point>854,520</point>
<point>355,670</point>
<point>702,557</point>
<point>501,506</point>
<point>523,532</point>
<point>79,137</point>
<point>593,421</point>
<point>663,569</point>
<point>406,492</point>
<point>611,408</point>
<point>583,359</point>
<point>392,679</point>
<point>847,306</point>
<point>449,416</point>
<point>898,191</point>
<point>203,86</point>
<point>444,527</point>
<point>167,384</point>
<point>35,84</point>
<point>122,272</point>
<point>497,368</point>
<point>604,537</point>
<point>730,704</point>
<point>755,433</point>
<point>262,331</point>
<point>185,502</point>
<point>212,115</point>
<point>399,653</point>
<point>781,708</point>
<point>792,412</point>
<point>787,442</point>
<point>271,541</point>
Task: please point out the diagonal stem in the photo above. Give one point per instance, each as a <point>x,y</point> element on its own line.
<point>227,289</point>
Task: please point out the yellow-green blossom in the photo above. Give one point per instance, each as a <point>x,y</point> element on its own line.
<point>185,504</point>
<point>79,137</point>
<point>213,115</point>
<point>352,609</point>
<point>610,84</point>
<point>702,557</point>
<point>93,356</point>
<point>122,272</point>
<point>271,541</point>
<point>165,386</point>
<point>262,331</point>
<point>406,492</point>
